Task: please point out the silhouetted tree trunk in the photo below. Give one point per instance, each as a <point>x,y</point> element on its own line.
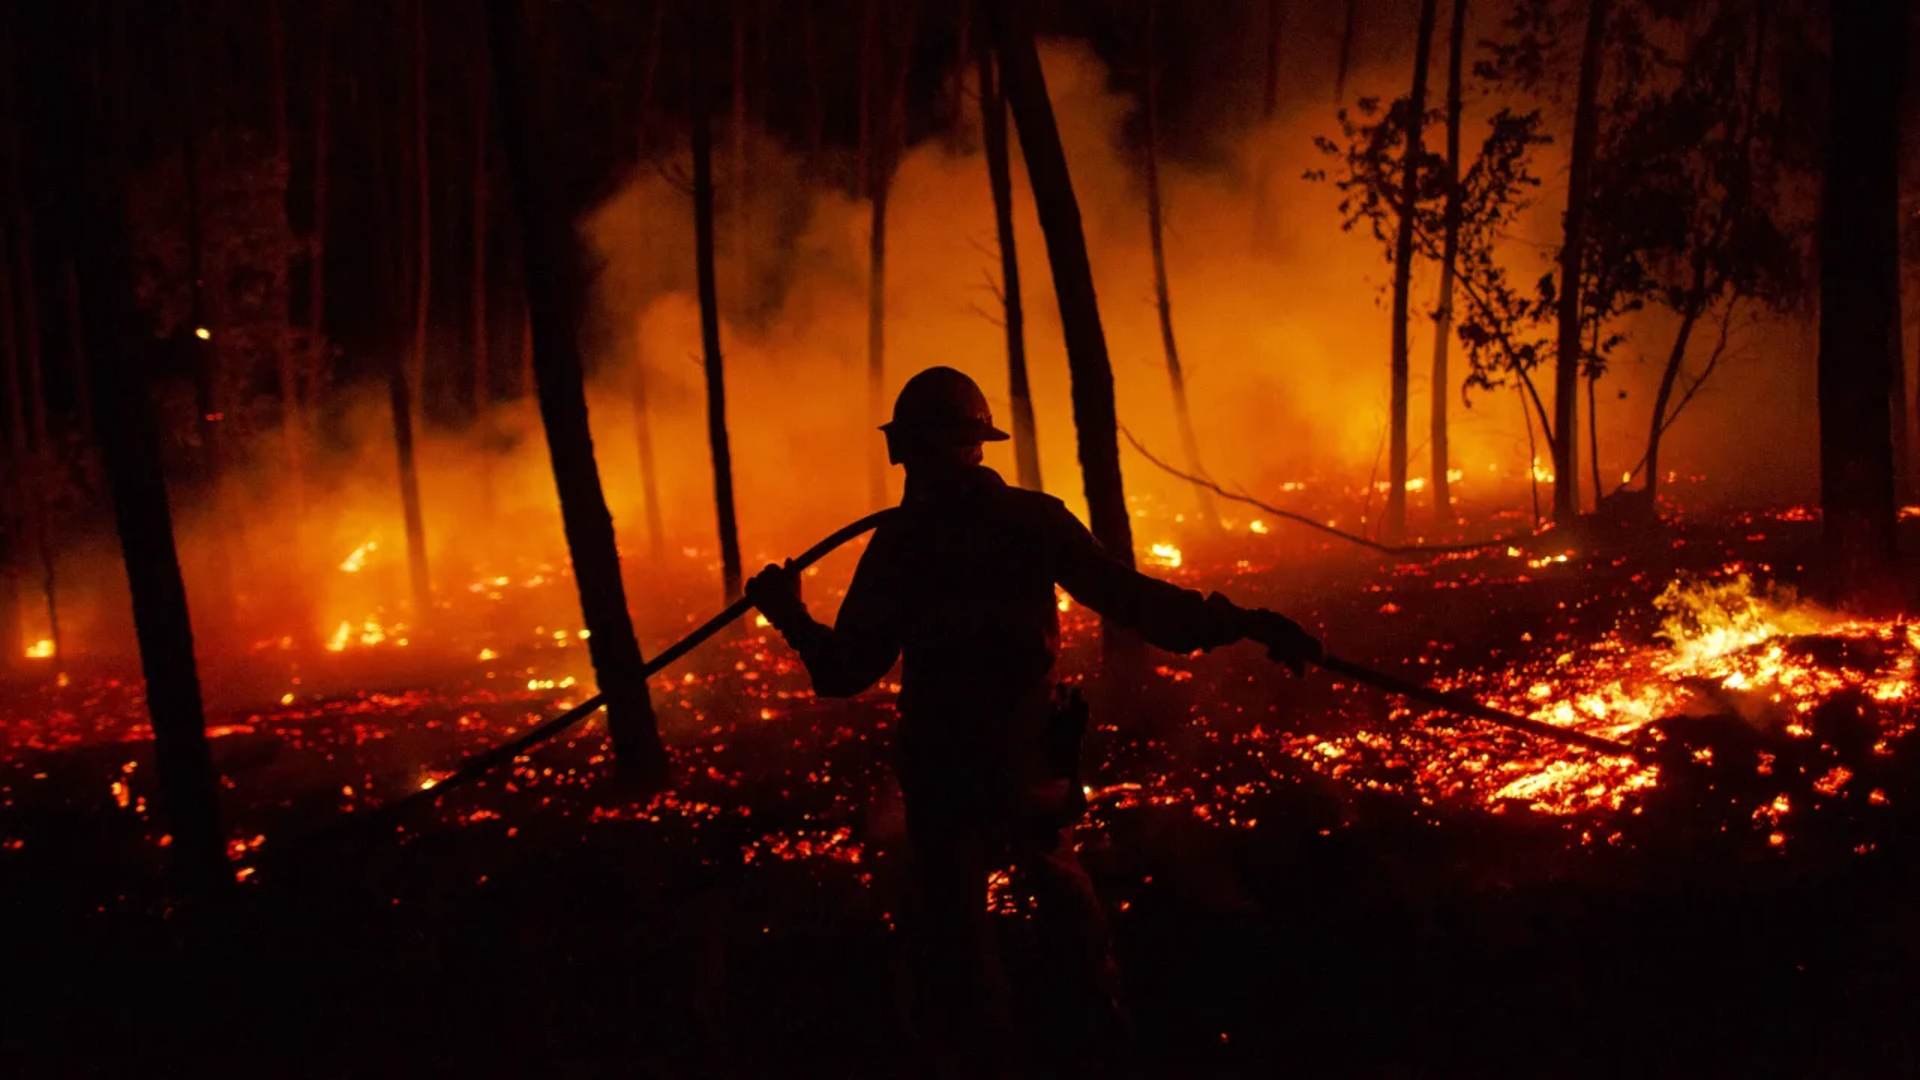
<point>392,197</point>
<point>1900,420</point>
<point>1163,301</point>
<point>1396,523</point>
<point>643,436</point>
<point>1270,99</point>
<point>553,297</point>
<point>740,229</point>
<point>719,445</point>
<point>1676,358</point>
<point>1346,57</point>
<point>292,417</point>
<point>888,70</point>
<point>1860,297</point>
<point>129,442</point>
<point>642,413</point>
<point>317,241</point>
<point>1095,424</point>
<point>863,139</point>
<point>993,125</point>
<point>482,353</point>
<point>422,216</point>
<point>1566,362</point>
<point>42,479</point>
<point>1593,434</point>
<point>1449,252</point>
<point>33,452</point>
<point>16,520</point>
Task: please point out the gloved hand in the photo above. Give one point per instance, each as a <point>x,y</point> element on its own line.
<point>1286,641</point>
<point>776,592</point>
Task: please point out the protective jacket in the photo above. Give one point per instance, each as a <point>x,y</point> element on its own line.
<point>959,585</point>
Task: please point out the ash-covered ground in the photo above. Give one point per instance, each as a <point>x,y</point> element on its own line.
<point>1302,874</point>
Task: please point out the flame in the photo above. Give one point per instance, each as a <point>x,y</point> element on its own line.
<point>370,632</point>
<point>1706,621</point>
<point>353,563</point>
<point>41,650</point>
<point>1164,554</point>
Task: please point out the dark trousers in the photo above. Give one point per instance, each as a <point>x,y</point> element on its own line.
<point>963,997</point>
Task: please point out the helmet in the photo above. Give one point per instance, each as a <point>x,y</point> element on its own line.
<point>942,407</point>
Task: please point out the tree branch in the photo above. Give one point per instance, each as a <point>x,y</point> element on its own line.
<point>1386,549</point>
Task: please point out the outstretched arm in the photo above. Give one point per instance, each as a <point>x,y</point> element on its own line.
<point>848,657</point>
<point>1166,615</point>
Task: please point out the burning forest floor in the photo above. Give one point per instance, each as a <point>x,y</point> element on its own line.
<point>1301,872</point>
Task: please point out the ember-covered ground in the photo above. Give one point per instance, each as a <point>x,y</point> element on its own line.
<point>1302,874</point>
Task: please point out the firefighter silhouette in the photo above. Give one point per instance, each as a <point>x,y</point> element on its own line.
<point>958,585</point>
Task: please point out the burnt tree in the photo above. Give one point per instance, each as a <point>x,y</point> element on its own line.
<point>887,72</point>
<point>1400,366</point>
<point>292,419</point>
<point>1346,56</point>
<point>1270,98</point>
<point>1095,424</point>
<point>411,377</point>
<point>392,273</point>
<point>1860,297</point>
<point>719,445</point>
<point>553,285</point>
<point>642,408</point>
<point>1449,254</point>
<point>130,450</point>
<point>1567,351</point>
<point>993,127</point>
<point>482,355</point>
<point>1162,296</point>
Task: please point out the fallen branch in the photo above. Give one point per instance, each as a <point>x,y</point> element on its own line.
<point>1241,497</point>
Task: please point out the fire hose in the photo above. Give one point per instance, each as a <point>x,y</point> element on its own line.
<point>1462,705</point>
<point>482,763</point>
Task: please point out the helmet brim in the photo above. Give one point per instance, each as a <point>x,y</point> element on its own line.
<point>985,433</point>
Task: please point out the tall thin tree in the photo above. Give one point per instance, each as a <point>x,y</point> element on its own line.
<point>130,452</point>
<point>32,452</point>
<point>887,113</point>
<point>1162,296</point>
<point>422,213</point>
<point>317,239</point>
<point>1416,113</point>
<point>1442,387</point>
<point>482,331</point>
<point>1270,98</point>
<point>292,417</point>
<point>642,407</point>
<point>1567,351</point>
<point>1096,426</point>
<point>390,204</point>
<point>554,293</point>
<point>13,515</point>
<point>718,442</point>
<point>1860,298</point>
<point>1346,55</point>
<point>993,126</point>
